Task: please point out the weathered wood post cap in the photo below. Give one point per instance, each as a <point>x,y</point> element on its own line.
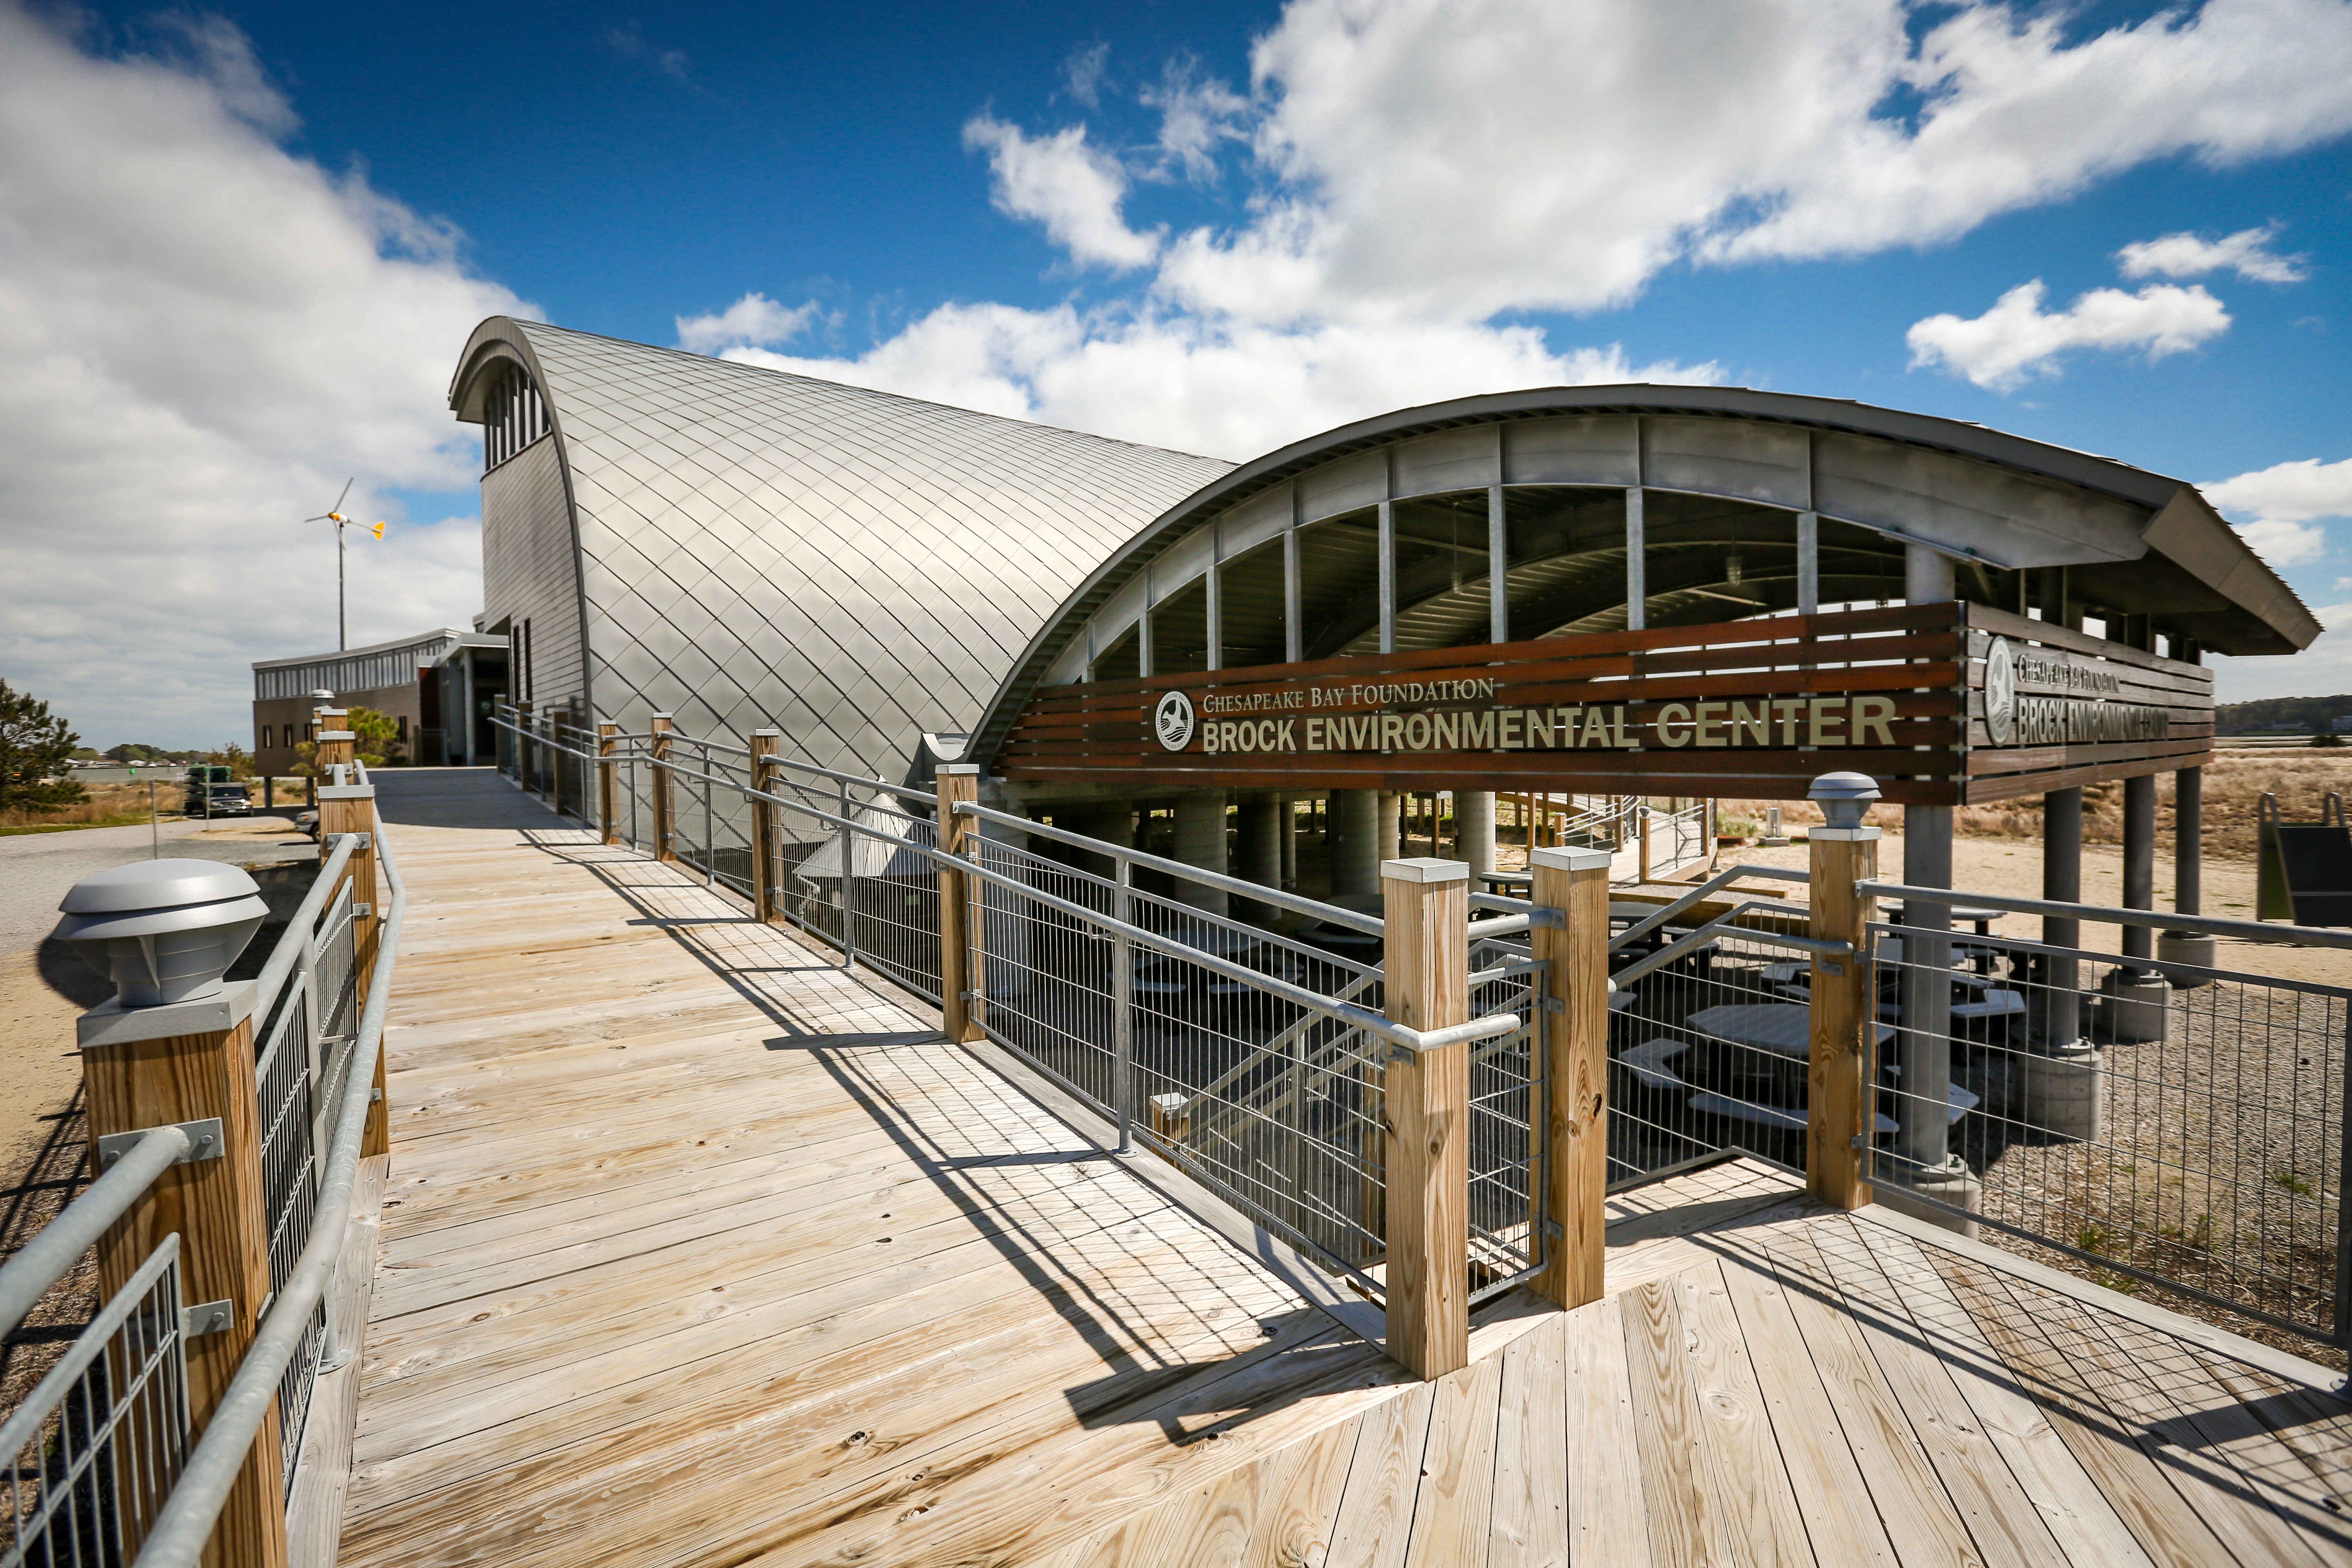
<point>163,930</point>
<point>1426,870</point>
<point>1843,798</point>
<point>1570,859</point>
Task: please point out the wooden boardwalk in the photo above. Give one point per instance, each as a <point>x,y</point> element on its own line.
<point>696,1250</point>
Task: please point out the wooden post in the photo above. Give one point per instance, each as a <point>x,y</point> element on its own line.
<point>664,821</point>
<point>765,745</point>
<point>957,781</point>
<point>350,808</point>
<point>526,771</point>
<point>1641,822</point>
<point>190,1061</point>
<point>338,746</point>
<point>1426,908</point>
<point>607,743</point>
<point>1575,1070</point>
<point>1840,1106</point>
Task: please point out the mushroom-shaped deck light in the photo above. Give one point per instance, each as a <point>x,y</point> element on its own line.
<point>163,930</point>
<point>1843,798</point>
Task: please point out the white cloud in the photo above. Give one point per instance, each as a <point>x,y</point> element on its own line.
<point>1196,118</point>
<point>2017,339</point>
<point>2247,253</point>
<point>753,319</point>
<point>204,336</point>
<point>1075,190</point>
<point>2287,492</point>
<point>1086,70</point>
<point>1177,381</point>
<point>2277,508</point>
<point>1450,161</point>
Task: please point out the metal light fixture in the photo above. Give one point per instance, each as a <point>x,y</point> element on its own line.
<point>1845,798</point>
<point>163,930</point>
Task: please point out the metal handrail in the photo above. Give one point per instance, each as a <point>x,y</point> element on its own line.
<point>53,1253</point>
<point>185,1523</point>
<point>1371,925</point>
<point>1820,947</point>
<point>1698,895</point>
<point>283,957</point>
<point>2102,914</point>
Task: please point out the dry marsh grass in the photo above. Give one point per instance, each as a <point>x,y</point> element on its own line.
<point>106,806</point>
<point>2235,782</point>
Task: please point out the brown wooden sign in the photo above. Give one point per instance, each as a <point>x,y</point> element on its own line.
<point>1911,695</point>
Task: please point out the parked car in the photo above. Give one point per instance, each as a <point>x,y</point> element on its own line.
<point>223,799</point>
<point>308,821</point>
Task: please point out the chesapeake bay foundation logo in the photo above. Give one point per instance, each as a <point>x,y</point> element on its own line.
<point>1171,721</point>
<point>2000,692</point>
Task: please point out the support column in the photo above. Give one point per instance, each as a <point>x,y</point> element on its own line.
<point>1473,832</point>
<point>1426,908</point>
<point>1392,825</point>
<point>2139,859</point>
<point>1576,1068</point>
<point>1925,1163</point>
<point>1261,847</point>
<point>1353,841</point>
<point>1637,580</point>
<point>1288,819</point>
<point>2065,1078</point>
<point>2188,841</point>
<point>1200,843</point>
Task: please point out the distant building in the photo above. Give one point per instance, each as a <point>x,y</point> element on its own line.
<point>440,687</point>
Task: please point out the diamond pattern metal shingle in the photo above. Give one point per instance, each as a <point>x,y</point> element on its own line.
<point>854,567</point>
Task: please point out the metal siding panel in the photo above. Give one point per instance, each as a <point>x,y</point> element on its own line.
<point>1575,449</point>
<point>1768,463</point>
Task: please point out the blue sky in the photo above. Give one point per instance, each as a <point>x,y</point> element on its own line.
<point>256,234</point>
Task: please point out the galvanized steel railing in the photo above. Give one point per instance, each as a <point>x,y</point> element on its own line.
<point>101,1456</point>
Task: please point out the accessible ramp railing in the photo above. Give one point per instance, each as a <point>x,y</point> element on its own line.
<point>1394,1128</point>
<point>171,1428</point>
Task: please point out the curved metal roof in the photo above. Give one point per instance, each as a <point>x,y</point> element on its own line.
<point>858,569</point>
<point>2146,543</point>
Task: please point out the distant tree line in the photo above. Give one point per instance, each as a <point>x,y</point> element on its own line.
<point>2281,715</point>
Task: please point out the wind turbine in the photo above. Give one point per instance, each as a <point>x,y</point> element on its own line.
<point>335,515</point>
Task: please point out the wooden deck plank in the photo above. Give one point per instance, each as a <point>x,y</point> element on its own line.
<point>1374,1522</point>
<point>1921,1523</point>
<point>2168,1529</point>
<point>2208,1446</point>
<point>1684,1519</point>
<point>1833,1497</point>
<point>2002,1519</point>
<point>1748,1478</point>
<point>1452,1508</point>
<point>1529,1528</point>
<point>1607,1513</point>
<point>2068,1499</point>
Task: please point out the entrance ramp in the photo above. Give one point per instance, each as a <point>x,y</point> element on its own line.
<point>2304,871</point>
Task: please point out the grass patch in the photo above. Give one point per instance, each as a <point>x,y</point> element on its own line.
<point>121,820</point>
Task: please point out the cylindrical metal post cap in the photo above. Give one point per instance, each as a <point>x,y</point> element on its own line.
<point>163,930</point>
<point>1843,798</point>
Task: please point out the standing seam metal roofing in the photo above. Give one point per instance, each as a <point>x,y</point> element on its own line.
<point>852,567</point>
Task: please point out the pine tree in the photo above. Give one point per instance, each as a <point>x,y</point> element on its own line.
<point>35,748</point>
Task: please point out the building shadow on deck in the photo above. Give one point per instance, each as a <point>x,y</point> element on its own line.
<point>1139,1321</point>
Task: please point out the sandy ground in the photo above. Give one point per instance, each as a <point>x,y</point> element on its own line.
<point>44,987</point>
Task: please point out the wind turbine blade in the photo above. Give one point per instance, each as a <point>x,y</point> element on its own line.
<point>345,496</point>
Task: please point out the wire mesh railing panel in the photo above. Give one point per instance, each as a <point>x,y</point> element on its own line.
<point>709,813</point>
<point>93,1452</point>
<point>1707,1053</point>
<point>2154,1120</point>
<point>1046,974</point>
<point>1507,1236</point>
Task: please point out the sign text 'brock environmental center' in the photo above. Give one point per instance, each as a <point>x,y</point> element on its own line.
<point>1764,722</point>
